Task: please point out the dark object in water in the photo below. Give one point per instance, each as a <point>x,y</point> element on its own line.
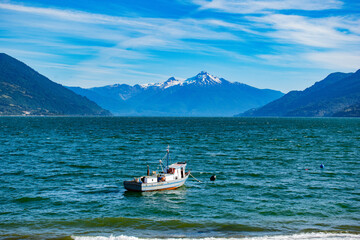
<point>322,166</point>
<point>212,178</point>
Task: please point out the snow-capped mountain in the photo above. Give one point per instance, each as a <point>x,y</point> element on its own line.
<point>201,95</point>
<point>204,78</point>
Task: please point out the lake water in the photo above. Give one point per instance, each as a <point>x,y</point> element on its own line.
<point>61,178</point>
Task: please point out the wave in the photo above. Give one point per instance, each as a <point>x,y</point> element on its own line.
<point>302,236</point>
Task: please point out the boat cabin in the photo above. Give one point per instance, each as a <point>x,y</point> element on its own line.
<point>175,171</point>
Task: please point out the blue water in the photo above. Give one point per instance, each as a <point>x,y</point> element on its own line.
<point>61,178</point>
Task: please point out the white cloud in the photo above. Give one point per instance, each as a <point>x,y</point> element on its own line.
<point>25,52</point>
<point>101,44</point>
<point>315,32</point>
<point>326,43</point>
<point>72,15</point>
<point>261,6</point>
<point>340,60</point>
<point>51,27</point>
<point>87,24</point>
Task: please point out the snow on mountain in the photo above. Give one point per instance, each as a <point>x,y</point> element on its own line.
<point>147,85</point>
<point>172,82</point>
<point>203,78</point>
<point>168,83</point>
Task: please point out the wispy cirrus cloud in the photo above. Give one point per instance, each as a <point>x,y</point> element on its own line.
<point>328,42</point>
<point>327,32</point>
<point>100,38</point>
<point>177,28</point>
<point>336,59</point>
<point>71,15</point>
<point>315,41</point>
<point>125,32</point>
<point>262,6</point>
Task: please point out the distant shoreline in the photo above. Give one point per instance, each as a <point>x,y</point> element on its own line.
<point>240,117</point>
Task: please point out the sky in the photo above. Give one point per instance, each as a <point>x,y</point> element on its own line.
<point>278,44</point>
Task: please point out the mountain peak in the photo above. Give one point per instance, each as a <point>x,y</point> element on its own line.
<point>170,79</point>
<point>171,82</point>
<point>203,73</point>
<point>204,78</point>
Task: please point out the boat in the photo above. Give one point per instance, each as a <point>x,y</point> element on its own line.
<point>170,177</point>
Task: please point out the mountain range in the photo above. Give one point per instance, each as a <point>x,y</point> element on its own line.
<point>201,95</point>
<point>23,91</point>
<point>337,95</point>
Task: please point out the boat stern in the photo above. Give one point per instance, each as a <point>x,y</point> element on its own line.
<point>132,186</point>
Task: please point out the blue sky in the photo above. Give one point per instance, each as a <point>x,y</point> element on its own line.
<point>278,44</point>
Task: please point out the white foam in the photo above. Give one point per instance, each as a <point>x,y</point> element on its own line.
<point>302,236</point>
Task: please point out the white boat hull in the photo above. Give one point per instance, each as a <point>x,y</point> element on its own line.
<point>157,186</point>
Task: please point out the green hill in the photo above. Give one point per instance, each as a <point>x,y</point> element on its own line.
<point>23,91</point>
<point>337,95</point>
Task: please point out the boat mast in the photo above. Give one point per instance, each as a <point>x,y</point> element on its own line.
<point>167,157</point>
